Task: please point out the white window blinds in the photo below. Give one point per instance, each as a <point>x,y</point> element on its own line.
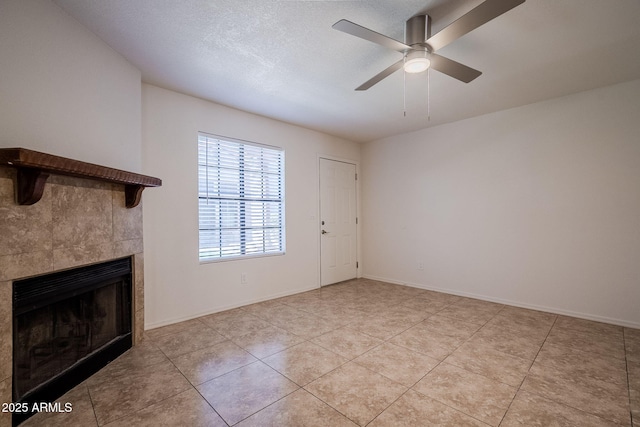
<point>241,199</point>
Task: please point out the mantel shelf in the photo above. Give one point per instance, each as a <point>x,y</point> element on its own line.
<point>34,168</point>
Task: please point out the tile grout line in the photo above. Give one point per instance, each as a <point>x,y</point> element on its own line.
<point>528,370</point>
<point>326,403</point>
<point>260,359</point>
<point>168,397</point>
<point>626,365</point>
<point>562,403</point>
<point>438,364</point>
<point>353,360</point>
<point>325,374</point>
<point>193,386</point>
<point>272,403</point>
<point>122,375</point>
<point>93,408</point>
<point>461,344</point>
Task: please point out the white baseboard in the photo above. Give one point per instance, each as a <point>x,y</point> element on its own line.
<point>553,310</point>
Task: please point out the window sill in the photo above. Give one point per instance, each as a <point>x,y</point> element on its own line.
<point>240,257</point>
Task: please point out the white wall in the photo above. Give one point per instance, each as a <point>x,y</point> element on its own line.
<point>64,91</point>
<point>178,287</point>
<point>538,206</point>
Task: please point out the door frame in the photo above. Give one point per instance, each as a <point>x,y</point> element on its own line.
<point>358,214</point>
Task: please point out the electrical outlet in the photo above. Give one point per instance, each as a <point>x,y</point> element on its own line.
<point>243,278</point>
<point>421,266</point>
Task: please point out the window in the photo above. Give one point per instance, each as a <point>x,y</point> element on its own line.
<point>241,198</point>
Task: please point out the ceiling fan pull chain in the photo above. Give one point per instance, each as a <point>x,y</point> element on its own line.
<point>404,80</point>
<point>404,93</point>
<point>429,95</point>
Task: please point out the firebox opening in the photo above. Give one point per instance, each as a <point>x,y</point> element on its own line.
<point>68,325</point>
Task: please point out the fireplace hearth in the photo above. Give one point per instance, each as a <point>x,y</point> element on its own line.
<point>67,326</point>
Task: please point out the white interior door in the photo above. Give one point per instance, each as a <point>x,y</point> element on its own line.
<point>338,221</point>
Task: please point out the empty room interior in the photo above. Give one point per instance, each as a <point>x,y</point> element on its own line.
<point>320,213</point>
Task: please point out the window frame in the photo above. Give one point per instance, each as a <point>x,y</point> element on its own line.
<point>242,216</point>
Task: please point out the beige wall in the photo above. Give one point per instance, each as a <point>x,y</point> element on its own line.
<point>177,286</point>
<point>537,206</point>
<point>64,91</point>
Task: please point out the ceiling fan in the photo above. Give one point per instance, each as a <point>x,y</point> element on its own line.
<point>419,47</point>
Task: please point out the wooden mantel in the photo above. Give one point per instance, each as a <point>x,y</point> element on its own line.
<point>35,167</point>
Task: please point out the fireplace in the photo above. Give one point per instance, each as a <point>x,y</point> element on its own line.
<point>68,325</point>
<point>77,222</point>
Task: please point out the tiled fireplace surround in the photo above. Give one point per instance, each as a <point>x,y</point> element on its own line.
<point>77,222</point>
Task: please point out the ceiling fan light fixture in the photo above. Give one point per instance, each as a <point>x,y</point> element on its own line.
<point>416,62</point>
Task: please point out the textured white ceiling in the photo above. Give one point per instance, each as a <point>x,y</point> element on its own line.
<point>282,59</point>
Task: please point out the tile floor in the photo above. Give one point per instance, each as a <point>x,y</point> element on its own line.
<point>368,353</point>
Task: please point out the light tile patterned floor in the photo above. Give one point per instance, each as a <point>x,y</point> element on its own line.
<point>368,353</point>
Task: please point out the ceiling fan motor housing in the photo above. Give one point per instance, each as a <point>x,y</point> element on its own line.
<point>417,30</point>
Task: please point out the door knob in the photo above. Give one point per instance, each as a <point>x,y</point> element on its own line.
<point>325,232</point>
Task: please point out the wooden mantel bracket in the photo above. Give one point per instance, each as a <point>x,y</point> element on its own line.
<point>30,185</point>
<point>132,194</point>
<point>34,168</point>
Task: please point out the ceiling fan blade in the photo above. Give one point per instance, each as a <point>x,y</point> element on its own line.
<point>452,68</point>
<point>367,34</point>
<point>478,16</point>
<point>381,75</point>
